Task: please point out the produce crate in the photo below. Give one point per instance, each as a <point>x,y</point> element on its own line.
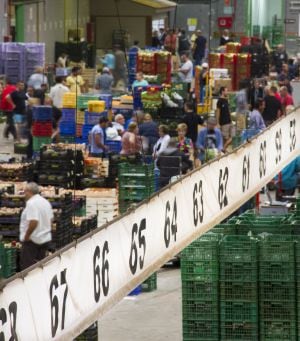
<point>92,118</point>
<point>194,330</point>
<point>239,291</point>
<point>235,311</point>
<point>38,142</point>
<point>83,99</point>
<point>114,146</point>
<point>244,331</point>
<point>42,129</point>
<point>9,261</point>
<point>68,115</point>
<point>42,113</point>
<point>199,310</point>
<point>150,284</point>
<point>67,128</point>
<point>278,330</point>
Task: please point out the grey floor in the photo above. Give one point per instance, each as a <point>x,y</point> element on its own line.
<point>154,316</point>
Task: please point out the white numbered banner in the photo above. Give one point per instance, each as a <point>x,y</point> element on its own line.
<point>66,294</point>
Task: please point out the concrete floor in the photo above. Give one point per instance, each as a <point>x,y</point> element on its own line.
<point>154,316</point>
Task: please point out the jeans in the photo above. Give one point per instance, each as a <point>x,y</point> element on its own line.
<point>32,253</point>
<point>10,125</point>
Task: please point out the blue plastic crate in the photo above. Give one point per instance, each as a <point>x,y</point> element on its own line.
<point>93,118</point>
<point>67,128</point>
<point>68,115</point>
<point>136,291</point>
<point>42,113</point>
<point>107,99</point>
<point>114,146</point>
<point>86,128</point>
<point>62,72</point>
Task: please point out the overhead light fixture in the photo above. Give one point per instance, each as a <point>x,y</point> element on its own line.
<point>157,4</point>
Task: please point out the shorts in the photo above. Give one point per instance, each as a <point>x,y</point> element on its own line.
<point>227,131</point>
<point>19,119</point>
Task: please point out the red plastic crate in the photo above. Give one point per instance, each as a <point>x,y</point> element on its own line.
<point>79,130</point>
<point>42,129</point>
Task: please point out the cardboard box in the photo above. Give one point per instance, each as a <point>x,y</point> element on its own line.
<point>218,83</point>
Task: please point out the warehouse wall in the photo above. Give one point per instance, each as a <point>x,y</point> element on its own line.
<point>50,21</point>
<point>199,12</point>
<point>292,31</point>
<point>136,19</point>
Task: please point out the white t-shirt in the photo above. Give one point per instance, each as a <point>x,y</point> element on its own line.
<point>161,145</point>
<point>39,209</point>
<point>97,130</point>
<point>187,66</point>
<point>57,93</point>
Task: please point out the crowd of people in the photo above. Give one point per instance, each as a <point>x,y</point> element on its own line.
<point>260,101</point>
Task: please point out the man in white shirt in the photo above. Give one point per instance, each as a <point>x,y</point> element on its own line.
<point>186,70</point>
<point>119,124</point>
<point>35,226</point>
<point>57,92</point>
<point>37,79</point>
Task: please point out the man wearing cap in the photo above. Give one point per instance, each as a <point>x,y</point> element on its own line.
<point>199,48</point>
<point>209,139</point>
<point>104,82</point>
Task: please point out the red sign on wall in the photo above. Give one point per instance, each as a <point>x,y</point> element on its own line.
<point>225,22</point>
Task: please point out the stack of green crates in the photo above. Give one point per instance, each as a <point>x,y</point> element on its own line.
<point>297,270</point>
<point>267,32</point>
<point>278,35</point>
<point>136,183</point>
<point>8,260</point>
<point>200,300</point>
<point>277,288</point>
<point>238,288</point>
<point>256,30</point>
<point>297,213</point>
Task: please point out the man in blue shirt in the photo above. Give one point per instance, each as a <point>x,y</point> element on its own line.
<point>209,139</point>
<point>287,182</point>
<point>97,138</point>
<point>109,61</point>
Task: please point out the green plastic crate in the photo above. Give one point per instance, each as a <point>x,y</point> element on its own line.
<point>278,330</point>
<point>82,100</point>
<point>200,310</point>
<point>200,330</point>
<point>277,272</point>
<point>38,142</point>
<point>238,291</point>
<point>150,284</point>
<point>239,272</point>
<point>239,311</point>
<point>243,331</point>
<point>200,290</point>
<point>278,291</point>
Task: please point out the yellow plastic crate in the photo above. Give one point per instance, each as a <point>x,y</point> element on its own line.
<point>69,100</point>
<point>96,106</point>
<point>203,109</point>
